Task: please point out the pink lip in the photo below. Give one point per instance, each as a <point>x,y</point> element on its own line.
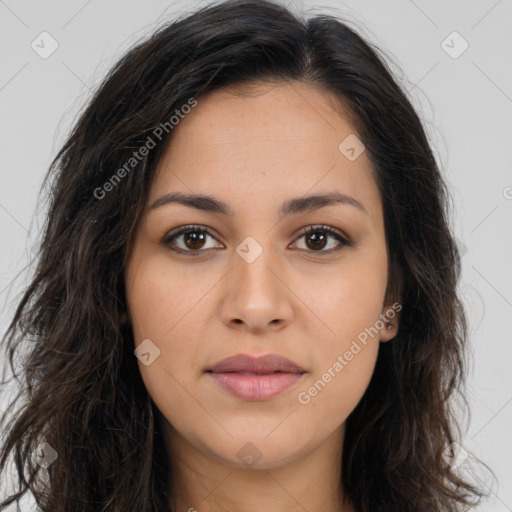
<point>263,364</point>
<point>255,379</point>
<point>255,387</point>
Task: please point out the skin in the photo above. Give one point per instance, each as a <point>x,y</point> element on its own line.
<point>254,151</point>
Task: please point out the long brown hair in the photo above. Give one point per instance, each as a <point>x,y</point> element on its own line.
<point>82,393</point>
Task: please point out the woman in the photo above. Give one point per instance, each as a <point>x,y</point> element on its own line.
<point>246,292</point>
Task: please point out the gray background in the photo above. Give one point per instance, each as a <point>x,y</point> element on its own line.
<point>466,104</point>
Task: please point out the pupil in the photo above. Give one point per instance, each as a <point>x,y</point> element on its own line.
<point>316,238</point>
<point>194,240</point>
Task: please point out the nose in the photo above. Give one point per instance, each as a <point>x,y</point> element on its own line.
<point>256,296</point>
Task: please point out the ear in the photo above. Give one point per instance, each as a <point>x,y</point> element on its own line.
<point>390,314</point>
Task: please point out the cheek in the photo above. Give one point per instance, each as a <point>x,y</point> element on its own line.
<point>162,296</point>
<point>328,398</point>
<point>345,326</point>
<point>164,305</point>
<point>341,305</point>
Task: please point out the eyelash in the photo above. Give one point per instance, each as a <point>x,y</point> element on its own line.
<point>168,240</point>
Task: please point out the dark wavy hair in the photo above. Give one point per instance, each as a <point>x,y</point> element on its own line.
<point>82,392</point>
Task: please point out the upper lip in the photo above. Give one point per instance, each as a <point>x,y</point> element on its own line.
<point>264,364</point>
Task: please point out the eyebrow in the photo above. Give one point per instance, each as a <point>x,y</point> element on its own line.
<point>296,205</point>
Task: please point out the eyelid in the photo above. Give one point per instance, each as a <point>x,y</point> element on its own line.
<point>323,227</point>
<point>166,240</point>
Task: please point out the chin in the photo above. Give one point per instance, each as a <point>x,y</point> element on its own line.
<point>258,454</point>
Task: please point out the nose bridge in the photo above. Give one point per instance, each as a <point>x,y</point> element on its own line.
<point>256,295</point>
<point>256,266</point>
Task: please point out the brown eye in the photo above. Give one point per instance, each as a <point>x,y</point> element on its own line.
<point>317,238</point>
<point>193,239</point>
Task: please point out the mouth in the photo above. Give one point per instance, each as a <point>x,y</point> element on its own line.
<point>255,379</point>
<point>243,372</point>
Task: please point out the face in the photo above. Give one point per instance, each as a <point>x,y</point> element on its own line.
<point>252,281</point>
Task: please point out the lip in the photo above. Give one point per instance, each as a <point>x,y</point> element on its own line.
<point>263,364</point>
<point>255,378</point>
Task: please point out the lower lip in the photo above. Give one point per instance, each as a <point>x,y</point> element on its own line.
<point>255,386</point>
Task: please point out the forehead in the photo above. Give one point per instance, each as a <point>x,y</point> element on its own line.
<point>265,141</point>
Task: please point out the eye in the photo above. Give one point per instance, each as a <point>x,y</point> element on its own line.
<point>193,239</point>
<point>316,238</point>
